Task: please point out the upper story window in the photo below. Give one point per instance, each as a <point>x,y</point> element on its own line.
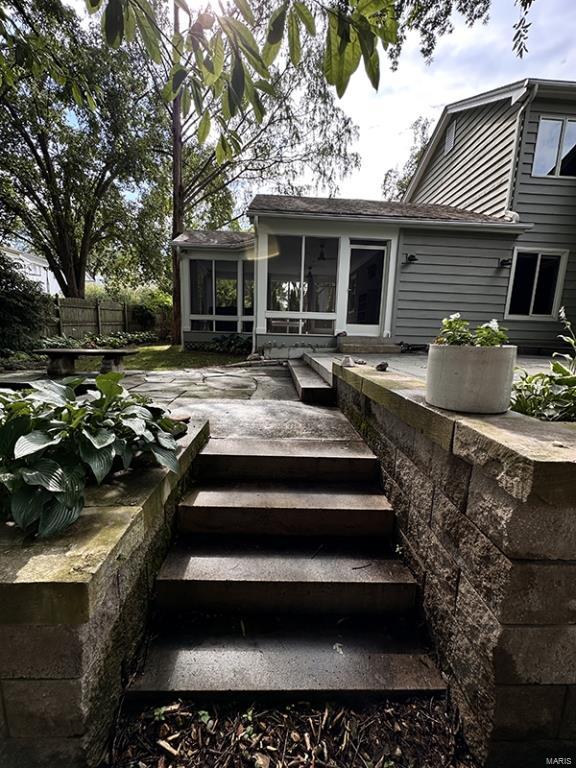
<point>450,138</point>
<point>555,153</point>
<point>536,284</point>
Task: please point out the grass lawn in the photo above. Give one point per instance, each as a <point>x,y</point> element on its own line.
<point>164,357</point>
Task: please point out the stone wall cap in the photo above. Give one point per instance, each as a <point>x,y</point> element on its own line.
<point>539,442</point>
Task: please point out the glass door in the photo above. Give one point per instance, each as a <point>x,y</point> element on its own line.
<point>365,282</point>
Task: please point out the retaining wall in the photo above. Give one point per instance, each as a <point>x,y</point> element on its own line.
<point>486,518</point>
<point>73,612</point>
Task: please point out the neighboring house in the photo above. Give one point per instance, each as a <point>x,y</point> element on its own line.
<point>36,268</point>
<point>487,228</point>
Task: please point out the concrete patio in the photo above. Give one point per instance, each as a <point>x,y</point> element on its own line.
<point>414,363</point>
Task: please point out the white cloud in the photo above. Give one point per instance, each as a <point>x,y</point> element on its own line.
<point>471,60</point>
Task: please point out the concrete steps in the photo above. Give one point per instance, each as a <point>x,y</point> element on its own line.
<point>295,659</point>
<point>269,509</point>
<point>310,386</point>
<point>322,365</point>
<point>282,578</point>
<point>279,582</point>
<point>335,461</point>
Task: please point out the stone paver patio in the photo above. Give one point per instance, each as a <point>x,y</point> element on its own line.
<point>187,386</point>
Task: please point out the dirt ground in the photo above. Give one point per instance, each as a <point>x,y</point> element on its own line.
<point>412,733</point>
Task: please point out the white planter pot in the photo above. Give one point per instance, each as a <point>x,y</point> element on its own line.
<point>470,379</point>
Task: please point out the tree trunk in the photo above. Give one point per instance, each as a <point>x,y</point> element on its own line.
<point>177,203</point>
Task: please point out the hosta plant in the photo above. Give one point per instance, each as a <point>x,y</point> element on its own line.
<point>550,396</point>
<point>53,441</point>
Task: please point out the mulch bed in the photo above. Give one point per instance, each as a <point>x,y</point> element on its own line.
<point>412,733</point>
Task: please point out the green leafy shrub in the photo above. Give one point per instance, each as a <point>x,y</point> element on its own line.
<point>24,308</point>
<point>457,332</point>
<point>550,396</point>
<point>53,441</point>
<point>115,340</point>
<point>231,343</point>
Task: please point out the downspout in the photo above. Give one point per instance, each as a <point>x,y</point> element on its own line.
<point>255,299</point>
<point>511,198</point>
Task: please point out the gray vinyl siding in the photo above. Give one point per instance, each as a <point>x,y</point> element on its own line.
<point>550,204</point>
<point>475,174</point>
<point>455,272</point>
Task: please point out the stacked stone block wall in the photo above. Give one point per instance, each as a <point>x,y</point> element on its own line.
<point>72,616</point>
<point>486,519</point>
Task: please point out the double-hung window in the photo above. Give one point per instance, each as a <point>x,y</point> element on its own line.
<point>536,284</point>
<point>555,153</point>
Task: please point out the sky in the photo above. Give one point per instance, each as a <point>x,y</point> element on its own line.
<point>469,61</point>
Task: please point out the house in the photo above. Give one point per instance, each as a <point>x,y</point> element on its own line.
<point>36,268</point>
<point>487,228</point>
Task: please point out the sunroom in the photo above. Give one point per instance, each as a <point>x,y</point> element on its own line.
<point>316,268</point>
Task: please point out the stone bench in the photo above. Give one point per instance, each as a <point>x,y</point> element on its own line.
<point>61,362</point>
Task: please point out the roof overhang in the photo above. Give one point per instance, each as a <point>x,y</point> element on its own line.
<point>180,243</point>
<point>404,222</point>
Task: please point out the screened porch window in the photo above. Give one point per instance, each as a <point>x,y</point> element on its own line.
<point>535,284</point>
<point>555,153</point>
<point>221,295</point>
<point>302,284</point>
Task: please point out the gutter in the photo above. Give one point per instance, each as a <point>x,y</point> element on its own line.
<point>511,197</point>
<point>404,222</point>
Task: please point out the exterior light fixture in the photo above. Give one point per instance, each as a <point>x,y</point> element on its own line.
<point>410,258</point>
<point>503,263</point>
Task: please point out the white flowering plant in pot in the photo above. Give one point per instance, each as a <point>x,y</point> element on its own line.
<point>470,370</point>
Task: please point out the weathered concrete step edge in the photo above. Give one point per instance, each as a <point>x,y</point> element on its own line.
<point>253,665</point>
<point>263,509</point>
<point>310,386</point>
<point>338,461</point>
<point>322,365</point>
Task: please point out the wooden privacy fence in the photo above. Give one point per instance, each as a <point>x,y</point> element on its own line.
<point>79,317</point>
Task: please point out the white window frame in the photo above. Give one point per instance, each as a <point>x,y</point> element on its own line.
<point>559,283</point>
<point>450,137</point>
<point>300,314</point>
<point>239,318</point>
<point>559,119</point>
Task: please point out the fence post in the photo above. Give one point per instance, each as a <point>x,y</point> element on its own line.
<point>125,316</point>
<point>98,318</point>
<point>58,317</point>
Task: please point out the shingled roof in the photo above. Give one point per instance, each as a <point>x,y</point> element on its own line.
<point>217,240</point>
<point>369,209</point>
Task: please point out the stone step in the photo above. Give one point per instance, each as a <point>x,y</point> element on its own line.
<point>336,461</point>
<point>282,577</point>
<point>268,509</point>
<point>301,659</point>
<point>322,365</point>
<point>310,386</point>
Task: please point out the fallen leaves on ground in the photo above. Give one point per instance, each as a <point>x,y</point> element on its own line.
<point>413,733</point>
